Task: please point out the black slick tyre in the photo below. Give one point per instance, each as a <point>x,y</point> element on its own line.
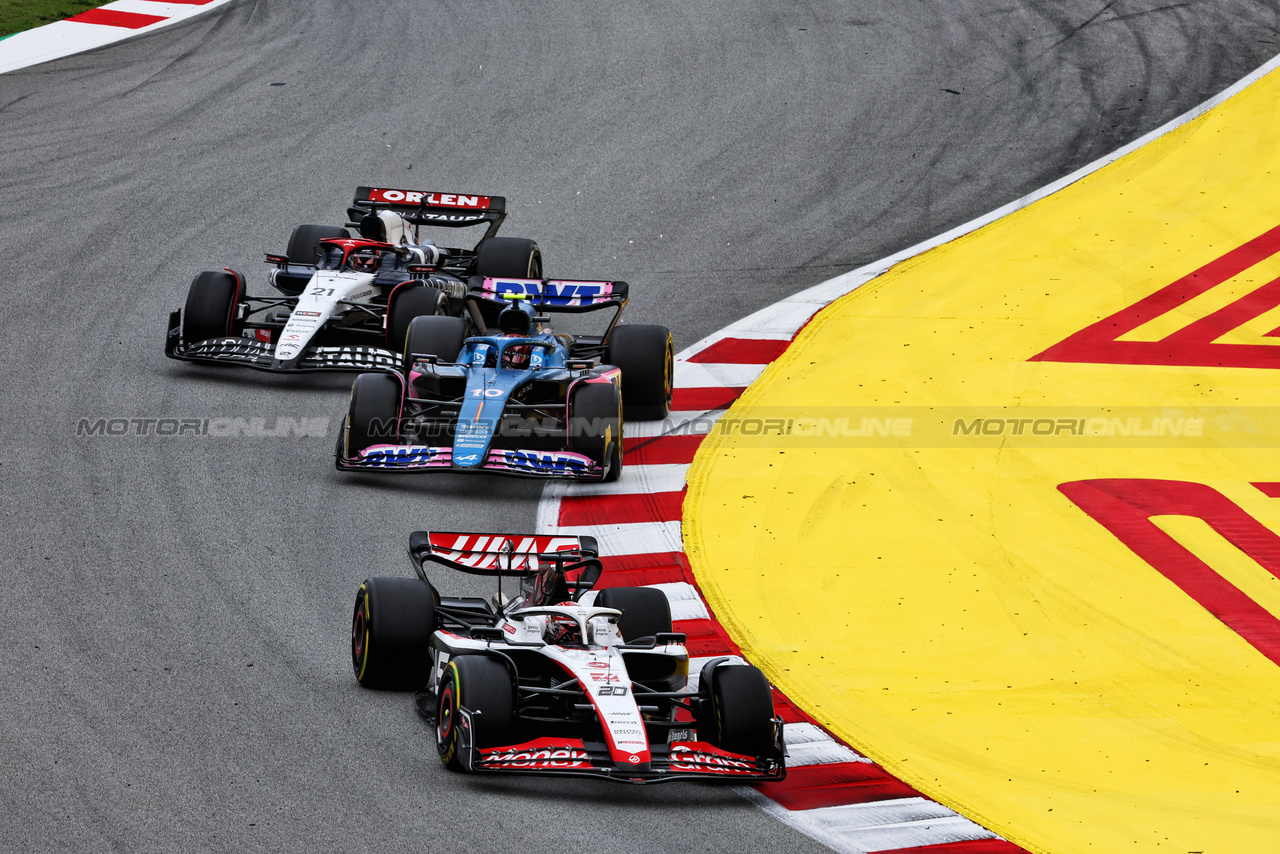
<point>391,633</point>
<point>304,243</point>
<point>646,357</point>
<point>509,258</point>
<point>408,301</point>
<point>212,305</point>
<point>595,426</point>
<point>736,709</point>
<point>373,416</point>
<point>646,611</point>
<point>481,684</point>
<point>437,336</point>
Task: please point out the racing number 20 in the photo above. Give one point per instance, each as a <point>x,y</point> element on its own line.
<point>1125,507</point>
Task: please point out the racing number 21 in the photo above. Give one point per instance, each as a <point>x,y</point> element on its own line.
<point>1125,507</point>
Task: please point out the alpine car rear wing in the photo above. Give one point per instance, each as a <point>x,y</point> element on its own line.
<point>501,554</point>
<point>487,295</point>
<point>452,210</point>
<point>567,295</point>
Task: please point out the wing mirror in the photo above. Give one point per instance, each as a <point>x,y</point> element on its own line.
<point>591,571</point>
<point>419,547</point>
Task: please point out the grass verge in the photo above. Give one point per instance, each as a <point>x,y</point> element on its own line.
<point>19,15</point>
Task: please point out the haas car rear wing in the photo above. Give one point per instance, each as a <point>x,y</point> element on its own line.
<point>452,210</point>
<point>501,554</point>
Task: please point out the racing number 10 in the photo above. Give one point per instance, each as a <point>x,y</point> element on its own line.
<point>1125,507</point>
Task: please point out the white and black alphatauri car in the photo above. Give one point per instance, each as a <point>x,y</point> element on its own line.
<point>345,302</point>
<point>560,679</point>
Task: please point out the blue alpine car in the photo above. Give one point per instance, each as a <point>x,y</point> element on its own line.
<point>498,391</point>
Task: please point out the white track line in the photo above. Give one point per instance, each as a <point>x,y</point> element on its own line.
<point>639,479</point>
<point>695,375</point>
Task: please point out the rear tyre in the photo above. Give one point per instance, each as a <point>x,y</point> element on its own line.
<point>415,299</point>
<point>212,305</point>
<point>736,712</point>
<point>304,244</point>
<point>509,258</point>
<point>391,633</point>
<point>373,417</point>
<point>441,337</point>
<point>645,610</point>
<point>646,357</point>
<point>483,685</point>
<point>595,426</point>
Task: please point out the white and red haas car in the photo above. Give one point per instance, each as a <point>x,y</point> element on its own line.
<point>559,678</point>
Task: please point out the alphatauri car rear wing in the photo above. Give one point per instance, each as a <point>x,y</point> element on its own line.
<point>451,210</point>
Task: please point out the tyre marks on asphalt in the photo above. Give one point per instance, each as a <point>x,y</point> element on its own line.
<point>831,793</point>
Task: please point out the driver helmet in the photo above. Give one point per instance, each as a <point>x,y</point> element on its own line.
<point>517,356</point>
<point>364,260</point>
<point>562,630</point>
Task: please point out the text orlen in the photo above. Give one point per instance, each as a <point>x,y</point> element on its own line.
<point>435,200</point>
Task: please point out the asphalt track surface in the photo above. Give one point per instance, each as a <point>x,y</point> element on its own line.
<point>176,608</point>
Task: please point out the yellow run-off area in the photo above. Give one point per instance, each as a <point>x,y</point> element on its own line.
<point>885,541</point>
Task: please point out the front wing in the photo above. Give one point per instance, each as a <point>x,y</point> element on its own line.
<point>680,760</point>
<point>418,458</point>
<point>251,353</point>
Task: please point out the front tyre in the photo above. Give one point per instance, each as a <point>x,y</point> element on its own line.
<point>595,426</point>
<point>391,633</point>
<point>736,709</point>
<point>482,685</point>
<point>373,415</point>
<point>213,303</point>
<point>646,357</point>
